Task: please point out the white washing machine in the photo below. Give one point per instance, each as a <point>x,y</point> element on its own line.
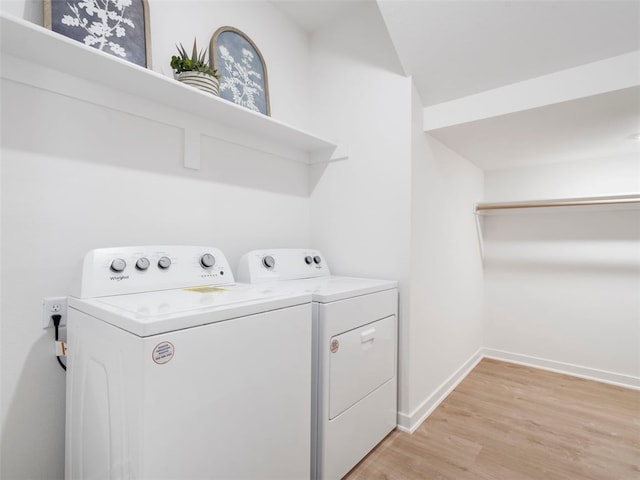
<point>355,350</point>
<point>175,372</point>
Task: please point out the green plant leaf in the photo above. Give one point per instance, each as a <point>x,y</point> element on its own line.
<point>194,53</point>
<point>197,62</point>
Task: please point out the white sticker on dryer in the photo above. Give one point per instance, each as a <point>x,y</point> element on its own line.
<point>163,352</point>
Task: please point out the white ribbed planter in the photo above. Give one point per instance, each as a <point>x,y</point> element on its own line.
<point>200,80</point>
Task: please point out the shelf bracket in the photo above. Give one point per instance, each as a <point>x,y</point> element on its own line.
<point>479,232</point>
<point>331,154</point>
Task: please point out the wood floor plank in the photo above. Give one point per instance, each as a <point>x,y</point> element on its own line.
<point>512,422</point>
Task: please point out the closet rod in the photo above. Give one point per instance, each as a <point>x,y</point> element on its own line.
<point>569,202</point>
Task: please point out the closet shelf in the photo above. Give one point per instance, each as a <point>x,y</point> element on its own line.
<point>39,57</point>
<point>600,203</point>
<point>609,202</point>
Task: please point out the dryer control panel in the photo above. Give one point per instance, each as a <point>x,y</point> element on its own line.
<point>281,264</point>
<point>123,270</point>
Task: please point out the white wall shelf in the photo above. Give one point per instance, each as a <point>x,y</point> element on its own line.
<point>36,56</point>
<point>557,205</point>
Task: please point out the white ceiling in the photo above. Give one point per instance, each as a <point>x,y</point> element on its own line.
<point>457,48</point>
<point>312,15</point>
<point>599,126</point>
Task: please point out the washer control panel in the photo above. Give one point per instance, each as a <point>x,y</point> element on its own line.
<point>123,270</point>
<point>281,264</point>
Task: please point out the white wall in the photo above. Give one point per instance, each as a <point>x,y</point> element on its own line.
<point>446,271</point>
<point>400,207</point>
<point>562,289</point>
<point>76,176</point>
<point>599,176</point>
<point>28,9</point>
<point>361,208</point>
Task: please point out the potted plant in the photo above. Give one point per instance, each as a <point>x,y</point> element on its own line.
<point>195,70</point>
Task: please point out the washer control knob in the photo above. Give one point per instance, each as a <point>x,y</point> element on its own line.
<point>207,260</point>
<point>143,263</point>
<point>164,263</point>
<point>317,260</point>
<point>308,260</point>
<point>268,262</point>
<point>118,265</point>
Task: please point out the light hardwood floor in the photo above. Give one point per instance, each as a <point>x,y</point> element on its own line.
<point>510,422</point>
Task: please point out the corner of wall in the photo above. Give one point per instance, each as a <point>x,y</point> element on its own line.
<point>410,422</point>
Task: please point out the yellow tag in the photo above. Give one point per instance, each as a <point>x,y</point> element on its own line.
<point>205,289</point>
<point>61,349</point>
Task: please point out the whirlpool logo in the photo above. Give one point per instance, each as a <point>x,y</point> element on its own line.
<point>118,278</point>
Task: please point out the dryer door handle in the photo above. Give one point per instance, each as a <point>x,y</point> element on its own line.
<point>367,335</point>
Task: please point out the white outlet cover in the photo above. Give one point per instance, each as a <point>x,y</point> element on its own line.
<point>51,306</point>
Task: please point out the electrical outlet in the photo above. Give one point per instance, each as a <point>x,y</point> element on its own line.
<point>54,306</point>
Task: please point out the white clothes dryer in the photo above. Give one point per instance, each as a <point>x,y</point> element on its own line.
<point>354,353</point>
<point>176,372</point>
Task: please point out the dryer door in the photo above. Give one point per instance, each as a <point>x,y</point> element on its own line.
<point>360,361</point>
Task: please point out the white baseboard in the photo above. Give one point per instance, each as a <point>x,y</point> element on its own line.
<point>410,422</point>
<point>604,376</point>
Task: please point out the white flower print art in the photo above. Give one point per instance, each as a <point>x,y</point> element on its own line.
<point>113,26</point>
<point>243,73</point>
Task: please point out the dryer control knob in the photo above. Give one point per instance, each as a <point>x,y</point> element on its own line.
<point>142,263</point>
<point>164,263</point>
<point>207,260</point>
<point>317,260</point>
<point>269,262</point>
<point>118,265</point>
<point>308,260</point>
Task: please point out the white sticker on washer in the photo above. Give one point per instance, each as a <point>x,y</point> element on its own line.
<point>163,353</point>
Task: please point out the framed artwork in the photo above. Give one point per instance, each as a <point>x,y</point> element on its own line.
<point>118,27</point>
<point>243,73</point>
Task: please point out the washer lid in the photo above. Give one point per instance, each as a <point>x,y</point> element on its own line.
<point>152,313</point>
<point>334,288</point>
